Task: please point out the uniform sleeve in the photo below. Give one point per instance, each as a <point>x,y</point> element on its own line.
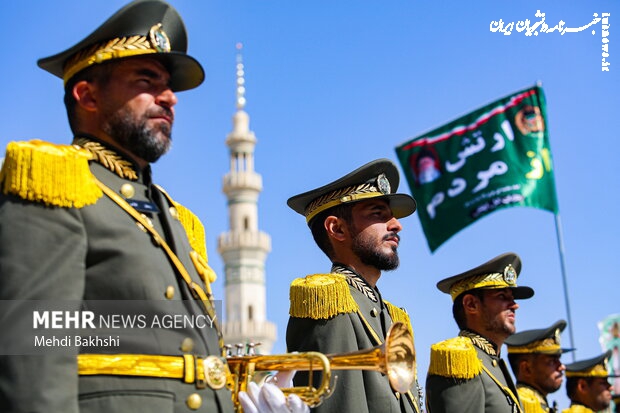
<point>42,257</point>
<point>333,336</point>
<point>446,395</point>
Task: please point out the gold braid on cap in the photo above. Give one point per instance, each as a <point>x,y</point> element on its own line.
<point>156,42</point>
<point>341,196</point>
<point>597,371</point>
<point>493,280</point>
<point>549,345</point>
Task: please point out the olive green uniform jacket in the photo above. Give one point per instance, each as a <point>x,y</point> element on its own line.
<point>480,383</point>
<point>99,252</point>
<point>359,326</point>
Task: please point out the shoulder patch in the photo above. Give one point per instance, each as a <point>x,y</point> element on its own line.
<point>321,296</point>
<point>55,175</point>
<point>455,358</point>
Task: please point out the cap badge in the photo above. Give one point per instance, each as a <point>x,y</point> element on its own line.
<point>557,336</point>
<point>510,275</point>
<point>383,184</point>
<point>159,39</point>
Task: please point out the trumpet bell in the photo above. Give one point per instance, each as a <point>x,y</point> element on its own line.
<point>400,358</point>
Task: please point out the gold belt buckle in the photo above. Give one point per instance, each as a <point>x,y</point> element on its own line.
<point>212,372</point>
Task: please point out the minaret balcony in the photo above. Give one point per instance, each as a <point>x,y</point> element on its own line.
<point>245,239</point>
<point>247,330</point>
<point>242,180</point>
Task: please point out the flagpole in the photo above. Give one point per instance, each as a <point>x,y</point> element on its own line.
<point>558,230</point>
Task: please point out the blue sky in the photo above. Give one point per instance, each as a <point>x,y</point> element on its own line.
<point>332,85</point>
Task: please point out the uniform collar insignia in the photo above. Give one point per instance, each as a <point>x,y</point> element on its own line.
<point>355,280</point>
<point>108,158</point>
<point>480,342</point>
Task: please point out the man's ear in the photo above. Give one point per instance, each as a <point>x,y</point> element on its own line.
<point>336,228</point>
<point>84,94</point>
<point>471,303</point>
<point>582,386</point>
<point>525,367</point>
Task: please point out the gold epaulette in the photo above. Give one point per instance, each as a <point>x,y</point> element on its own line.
<point>321,296</point>
<point>577,408</point>
<point>530,401</point>
<point>196,235</point>
<point>399,315</point>
<point>195,231</point>
<point>55,175</point>
<point>455,358</point>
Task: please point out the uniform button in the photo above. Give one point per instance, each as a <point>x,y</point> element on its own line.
<point>194,401</point>
<point>374,312</point>
<point>147,220</point>
<point>169,292</point>
<point>494,363</point>
<point>187,345</point>
<point>127,190</point>
<point>174,213</point>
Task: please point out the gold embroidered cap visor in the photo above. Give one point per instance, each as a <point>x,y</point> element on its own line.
<point>594,367</point>
<point>376,179</point>
<point>539,341</point>
<point>142,28</point>
<point>500,272</point>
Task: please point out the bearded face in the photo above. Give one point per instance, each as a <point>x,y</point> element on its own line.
<point>136,107</point>
<point>132,131</point>
<point>369,248</point>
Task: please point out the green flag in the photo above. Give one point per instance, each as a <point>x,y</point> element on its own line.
<point>492,158</point>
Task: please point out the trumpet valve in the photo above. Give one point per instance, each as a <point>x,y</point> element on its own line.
<point>239,347</point>
<point>252,348</point>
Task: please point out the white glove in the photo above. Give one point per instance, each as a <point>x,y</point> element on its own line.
<point>268,398</point>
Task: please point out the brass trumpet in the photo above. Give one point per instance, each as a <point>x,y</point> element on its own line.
<point>394,358</point>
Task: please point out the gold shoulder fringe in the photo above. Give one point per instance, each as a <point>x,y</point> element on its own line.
<point>455,358</point>
<point>577,408</point>
<point>195,231</point>
<point>530,402</point>
<point>197,240</point>
<point>194,228</point>
<point>399,315</point>
<point>321,296</point>
<point>56,175</point>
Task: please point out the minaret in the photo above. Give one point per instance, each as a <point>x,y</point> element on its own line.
<point>244,248</point>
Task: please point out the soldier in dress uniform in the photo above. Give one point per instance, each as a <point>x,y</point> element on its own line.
<point>466,373</point>
<point>85,222</point>
<point>534,357</point>
<point>355,222</point>
<point>588,386</point>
